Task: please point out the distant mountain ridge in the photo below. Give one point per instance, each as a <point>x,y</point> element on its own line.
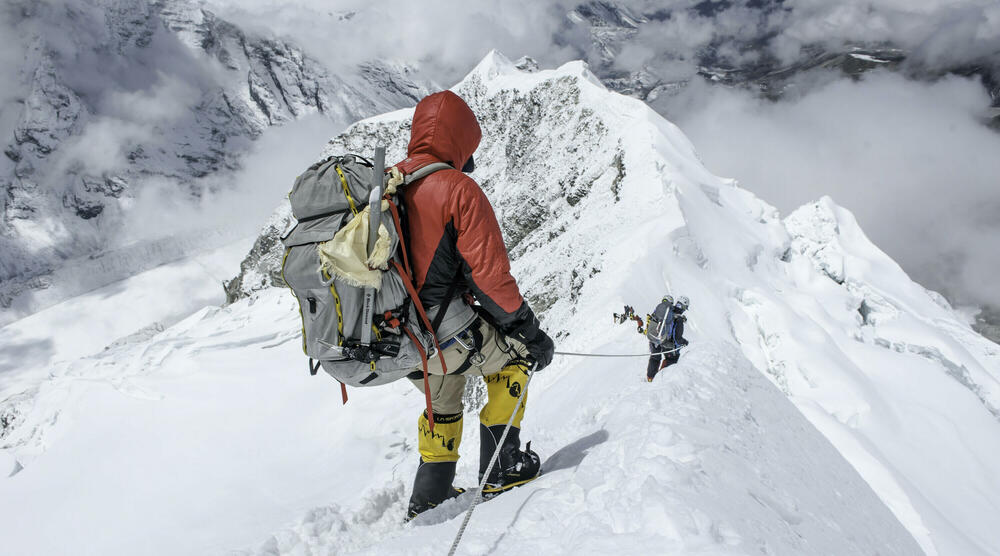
<point>120,93</point>
<point>614,26</point>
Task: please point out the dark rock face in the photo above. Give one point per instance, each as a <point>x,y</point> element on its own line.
<point>988,323</point>
<point>262,266</point>
<point>117,93</point>
<point>546,158</point>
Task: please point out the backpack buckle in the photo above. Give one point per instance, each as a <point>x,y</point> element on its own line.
<point>386,348</point>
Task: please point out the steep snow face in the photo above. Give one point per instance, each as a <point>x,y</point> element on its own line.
<point>603,203</point>
<point>117,97</point>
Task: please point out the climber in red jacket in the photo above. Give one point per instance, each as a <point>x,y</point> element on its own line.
<point>458,256</point>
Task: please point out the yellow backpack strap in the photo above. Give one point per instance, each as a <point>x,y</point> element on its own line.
<point>347,191</point>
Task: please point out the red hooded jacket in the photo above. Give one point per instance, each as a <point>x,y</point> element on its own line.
<point>453,231</point>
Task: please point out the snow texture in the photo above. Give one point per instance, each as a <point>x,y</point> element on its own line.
<point>827,404</point>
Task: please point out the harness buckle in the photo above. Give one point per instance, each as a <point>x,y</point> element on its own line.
<point>458,339</point>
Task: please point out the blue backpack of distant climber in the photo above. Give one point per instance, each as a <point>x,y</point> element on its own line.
<point>361,318</point>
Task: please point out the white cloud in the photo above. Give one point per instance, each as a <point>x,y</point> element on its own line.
<point>126,120</point>
<point>445,36</point>
<point>939,33</point>
<point>912,161</point>
<point>99,148</point>
<point>241,200</point>
<point>168,99</point>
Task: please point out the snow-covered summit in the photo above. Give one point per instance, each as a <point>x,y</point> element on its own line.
<point>826,403</point>
<point>495,65</point>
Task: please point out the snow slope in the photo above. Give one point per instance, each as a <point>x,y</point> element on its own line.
<point>128,311</point>
<point>210,435</point>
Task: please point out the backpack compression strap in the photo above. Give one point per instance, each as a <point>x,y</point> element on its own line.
<point>407,275</point>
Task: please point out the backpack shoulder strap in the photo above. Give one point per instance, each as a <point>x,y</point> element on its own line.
<point>426,171</point>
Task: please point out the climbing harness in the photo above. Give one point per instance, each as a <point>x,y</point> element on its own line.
<point>477,496</point>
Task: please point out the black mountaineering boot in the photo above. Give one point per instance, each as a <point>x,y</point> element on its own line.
<point>432,486</point>
<point>513,467</point>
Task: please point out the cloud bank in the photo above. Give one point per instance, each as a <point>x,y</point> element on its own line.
<point>913,161</point>
<point>447,37</point>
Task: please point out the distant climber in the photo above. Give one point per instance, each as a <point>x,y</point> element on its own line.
<point>458,255</point>
<point>665,331</point>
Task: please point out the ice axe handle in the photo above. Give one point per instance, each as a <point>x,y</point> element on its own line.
<point>375,200</point>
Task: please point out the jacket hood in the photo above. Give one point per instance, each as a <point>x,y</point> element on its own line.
<point>444,129</point>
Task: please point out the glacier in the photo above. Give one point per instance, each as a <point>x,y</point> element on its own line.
<point>827,403</point>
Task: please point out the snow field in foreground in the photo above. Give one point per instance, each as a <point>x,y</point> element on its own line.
<point>221,434</point>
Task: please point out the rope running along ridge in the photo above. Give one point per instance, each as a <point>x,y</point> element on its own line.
<point>574,354</point>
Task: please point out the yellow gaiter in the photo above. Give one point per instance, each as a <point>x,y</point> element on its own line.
<point>442,444</point>
<point>504,388</point>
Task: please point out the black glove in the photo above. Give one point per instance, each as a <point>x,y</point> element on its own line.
<point>540,346</point>
<point>541,349</point>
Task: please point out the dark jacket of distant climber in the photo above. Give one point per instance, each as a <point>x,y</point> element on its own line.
<point>671,317</point>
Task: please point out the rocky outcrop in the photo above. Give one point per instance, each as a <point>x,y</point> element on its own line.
<point>542,135</point>
<point>121,93</point>
<point>988,323</point>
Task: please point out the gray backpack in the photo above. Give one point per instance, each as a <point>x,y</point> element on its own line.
<point>659,328</point>
<point>364,325</point>
<point>657,331</point>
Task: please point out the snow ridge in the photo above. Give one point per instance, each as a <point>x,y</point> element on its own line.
<point>603,203</point>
